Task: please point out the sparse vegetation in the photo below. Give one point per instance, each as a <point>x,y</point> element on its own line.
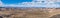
<point>25,13</point>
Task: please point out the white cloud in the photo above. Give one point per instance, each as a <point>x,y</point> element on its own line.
<point>1,3</point>
<point>24,4</point>
<point>29,4</point>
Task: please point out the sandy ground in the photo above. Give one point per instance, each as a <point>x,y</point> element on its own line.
<point>28,12</point>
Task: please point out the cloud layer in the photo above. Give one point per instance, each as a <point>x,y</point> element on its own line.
<point>31,4</point>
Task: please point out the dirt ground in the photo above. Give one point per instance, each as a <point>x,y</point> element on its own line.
<point>28,12</point>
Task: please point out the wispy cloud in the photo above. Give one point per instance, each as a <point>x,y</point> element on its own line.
<point>25,4</point>
<point>31,4</point>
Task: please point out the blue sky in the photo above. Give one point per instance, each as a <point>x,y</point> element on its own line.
<point>15,1</point>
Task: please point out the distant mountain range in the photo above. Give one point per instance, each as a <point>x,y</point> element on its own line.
<point>27,7</point>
